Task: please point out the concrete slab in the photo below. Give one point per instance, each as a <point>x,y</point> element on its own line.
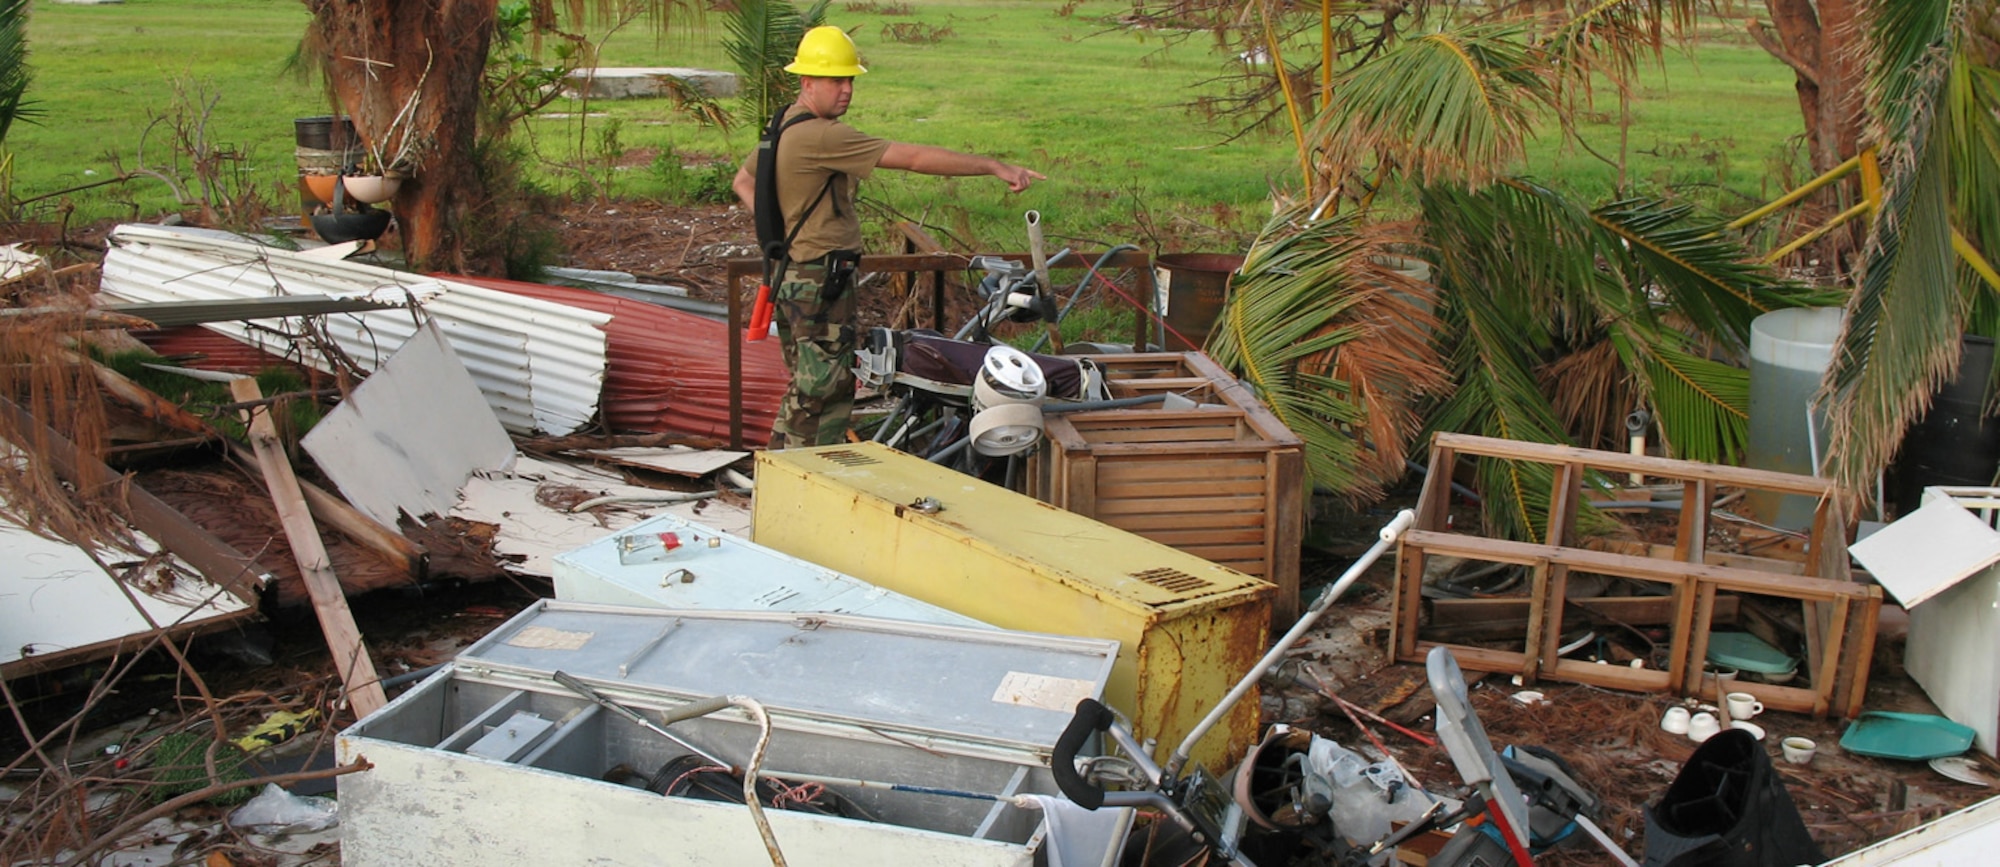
<point>637,82</point>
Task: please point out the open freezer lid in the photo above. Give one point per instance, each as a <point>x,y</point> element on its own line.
<point>986,685</point>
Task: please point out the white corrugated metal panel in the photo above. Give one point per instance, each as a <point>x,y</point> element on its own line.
<point>540,364</point>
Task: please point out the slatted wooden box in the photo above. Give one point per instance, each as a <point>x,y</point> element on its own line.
<point>1223,481</point>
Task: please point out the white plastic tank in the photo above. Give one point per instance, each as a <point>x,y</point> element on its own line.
<point>1789,354</point>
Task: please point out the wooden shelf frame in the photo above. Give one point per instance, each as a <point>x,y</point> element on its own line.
<point>1839,615</point>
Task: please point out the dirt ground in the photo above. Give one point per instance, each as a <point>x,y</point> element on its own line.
<point>1612,738</point>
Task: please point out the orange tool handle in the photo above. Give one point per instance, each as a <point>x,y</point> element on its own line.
<point>760,315</point>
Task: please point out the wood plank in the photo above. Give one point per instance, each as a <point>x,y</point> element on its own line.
<point>1166,469</point>
<point>1555,613</point>
<point>1114,503</point>
<point>1183,522</point>
<point>1634,610</point>
<point>1471,658</point>
<point>1691,652</point>
<point>1827,679</point>
<point>1691,540</point>
<point>1406,601</point>
<point>1434,503</point>
<point>1623,565</point>
<point>1667,468</point>
<point>1252,487</point>
<point>1285,528</point>
<point>1563,493</point>
<point>1207,536</point>
<point>343,638</point>
<point>1864,653</point>
<point>1538,602</point>
<point>1609,676</point>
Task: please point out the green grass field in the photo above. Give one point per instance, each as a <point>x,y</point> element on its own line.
<point>1098,108</point>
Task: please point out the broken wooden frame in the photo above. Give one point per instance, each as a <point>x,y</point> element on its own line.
<point>937,265</point>
<point>1224,481</point>
<point>1839,615</point>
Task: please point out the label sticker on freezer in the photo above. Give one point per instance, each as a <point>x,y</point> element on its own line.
<point>544,638</point>
<point>1058,694</point>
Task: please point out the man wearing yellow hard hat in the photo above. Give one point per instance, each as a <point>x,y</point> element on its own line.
<point>803,196</point>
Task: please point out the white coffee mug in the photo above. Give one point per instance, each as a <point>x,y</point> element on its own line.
<point>1743,705</point>
<point>1798,751</point>
<point>1675,720</point>
<point>1703,726</point>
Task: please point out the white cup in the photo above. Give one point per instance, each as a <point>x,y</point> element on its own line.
<point>1703,726</point>
<point>1675,720</point>
<point>1797,750</point>
<point>1743,705</point>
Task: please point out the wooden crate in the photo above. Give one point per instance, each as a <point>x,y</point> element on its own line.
<point>1223,481</point>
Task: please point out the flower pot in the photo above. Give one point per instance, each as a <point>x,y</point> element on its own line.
<point>365,225</point>
<point>370,189</point>
<point>321,186</point>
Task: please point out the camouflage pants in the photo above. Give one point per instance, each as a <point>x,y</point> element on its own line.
<point>818,343</point>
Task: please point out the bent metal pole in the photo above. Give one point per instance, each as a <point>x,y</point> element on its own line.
<point>1390,533</point>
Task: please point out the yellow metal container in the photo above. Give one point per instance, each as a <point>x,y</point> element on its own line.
<point>1188,629</point>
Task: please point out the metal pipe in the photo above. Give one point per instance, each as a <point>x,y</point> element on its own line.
<point>1092,405</point>
<point>895,787</point>
<point>668,497</point>
<point>703,707</point>
<point>1042,285</point>
<point>1390,533</point>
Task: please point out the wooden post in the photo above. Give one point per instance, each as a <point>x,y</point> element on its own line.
<point>343,638</point>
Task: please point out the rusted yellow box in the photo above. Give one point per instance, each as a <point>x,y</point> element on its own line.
<point>1188,629</point>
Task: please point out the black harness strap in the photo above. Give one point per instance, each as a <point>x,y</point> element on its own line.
<point>769,215</point>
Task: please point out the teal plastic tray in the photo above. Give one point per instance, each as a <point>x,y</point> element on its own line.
<point>1745,652</point>
<point>1913,736</point>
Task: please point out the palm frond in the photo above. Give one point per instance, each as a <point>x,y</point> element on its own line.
<point>1899,342</point>
<point>1702,406</point>
<point>1457,105</point>
<point>15,74</point>
<point>1607,38</point>
<point>1335,342</point>
<point>1505,255</point>
<point>1703,274</point>
<point>762,37</point>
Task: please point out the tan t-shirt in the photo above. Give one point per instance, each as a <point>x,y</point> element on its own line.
<point>807,155</point>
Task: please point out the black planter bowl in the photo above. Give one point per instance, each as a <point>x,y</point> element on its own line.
<point>366,225</point>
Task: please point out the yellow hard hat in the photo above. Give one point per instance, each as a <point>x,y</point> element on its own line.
<point>826,52</point>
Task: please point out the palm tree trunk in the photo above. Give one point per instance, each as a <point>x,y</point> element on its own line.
<point>404,69</point>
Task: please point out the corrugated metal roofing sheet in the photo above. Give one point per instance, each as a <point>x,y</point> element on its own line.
<point>670,369</point>
<point>539,363</point>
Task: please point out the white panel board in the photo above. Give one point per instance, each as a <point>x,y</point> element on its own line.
<point>1927,551</point>
<point>54,598</point>
<point>409,436</point>
<point>1969,836</point>
<point>535,533</point>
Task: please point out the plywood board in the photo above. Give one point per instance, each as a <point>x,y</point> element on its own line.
<point>679,460</point>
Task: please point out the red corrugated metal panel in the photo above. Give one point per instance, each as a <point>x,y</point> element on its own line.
<point>669,370</point>
<point>214,351</point>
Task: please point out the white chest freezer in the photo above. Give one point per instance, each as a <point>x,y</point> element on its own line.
<point>492,761</point>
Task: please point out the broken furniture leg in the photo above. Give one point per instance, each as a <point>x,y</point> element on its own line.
<point>350,656</point>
